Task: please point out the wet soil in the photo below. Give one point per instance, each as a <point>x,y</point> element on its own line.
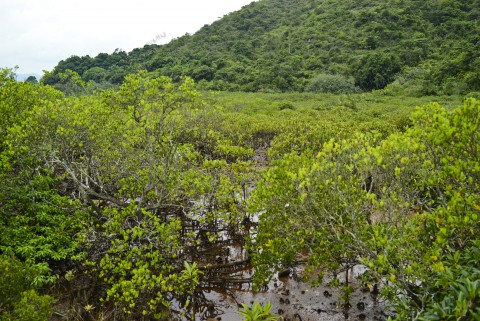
<point>227,285</point>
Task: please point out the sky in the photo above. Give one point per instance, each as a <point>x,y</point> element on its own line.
<point>36,34</point>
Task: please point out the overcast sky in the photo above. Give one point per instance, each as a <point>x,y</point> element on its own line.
<point>37,34</point>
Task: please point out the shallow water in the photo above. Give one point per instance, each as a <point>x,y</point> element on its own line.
<point>226,289</point>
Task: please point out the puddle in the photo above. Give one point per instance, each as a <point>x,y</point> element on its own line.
<point>292,299</point>
<point>227,284</point>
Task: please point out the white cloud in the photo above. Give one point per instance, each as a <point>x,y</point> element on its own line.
<point>36,35</point>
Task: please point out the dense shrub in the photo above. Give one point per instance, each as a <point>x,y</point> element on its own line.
<point>457,288</point>
<point>335,84</point>
<point>18,298</point>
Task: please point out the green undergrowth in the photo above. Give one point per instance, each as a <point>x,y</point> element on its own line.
<point>382,102</point>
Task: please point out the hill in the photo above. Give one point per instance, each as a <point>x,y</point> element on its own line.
<point>29,77</point>
<point>426,47</point>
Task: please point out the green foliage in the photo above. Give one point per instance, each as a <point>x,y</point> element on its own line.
<point>17,101</point>
<point>456,288</point>
<point>18,297</point>
<point>139,265</point>
<point>70,83</point>
<point>65,146</point>
<point>37,223</point>
<point>135,181</point>
<point>32,307</point>
<point>96,74</point>
<point>31,79</point>
<point>303,210</point>
<point>258,312</point>
<point>375,71</point>
<point>335,84</point>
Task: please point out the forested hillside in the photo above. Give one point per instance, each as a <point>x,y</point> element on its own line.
<point>427,47</point>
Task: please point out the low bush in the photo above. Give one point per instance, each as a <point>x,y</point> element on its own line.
<point>335,84</point>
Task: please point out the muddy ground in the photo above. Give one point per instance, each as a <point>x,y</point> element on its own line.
<point>290,298</point>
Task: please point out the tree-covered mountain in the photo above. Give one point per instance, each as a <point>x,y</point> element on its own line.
<point>424,46</point>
